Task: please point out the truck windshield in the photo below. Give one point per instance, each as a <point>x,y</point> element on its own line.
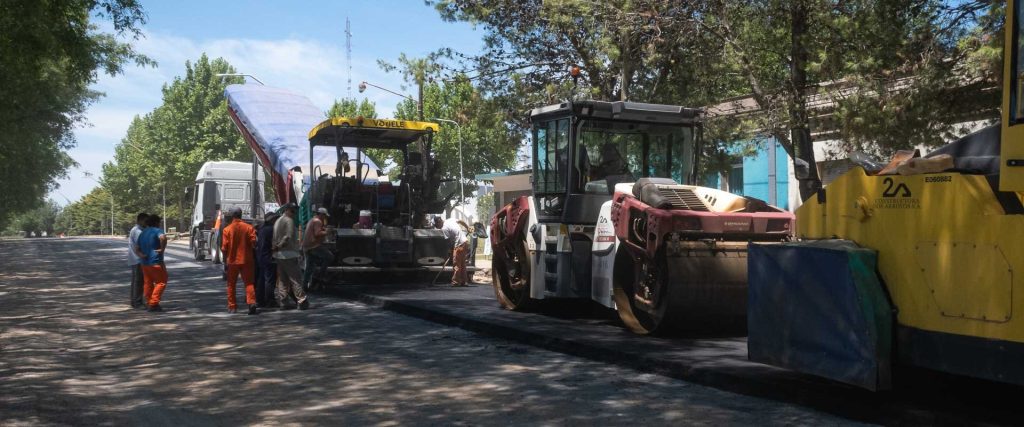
<point>610,152</point>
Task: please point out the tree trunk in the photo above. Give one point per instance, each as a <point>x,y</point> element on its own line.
<point>624,70</point>
<point>800,133</point>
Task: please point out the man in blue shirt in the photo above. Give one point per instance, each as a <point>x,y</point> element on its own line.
<point>152,243</point>
<point>135,262</point>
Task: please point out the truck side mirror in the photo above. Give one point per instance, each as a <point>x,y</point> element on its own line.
<point>801,169</point>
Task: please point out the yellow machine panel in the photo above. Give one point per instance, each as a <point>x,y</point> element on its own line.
<point>947,251</point>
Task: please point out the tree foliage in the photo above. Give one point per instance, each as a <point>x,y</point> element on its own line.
<point>894,74</point>
<point>50,52</point>
<point>351,107</point>
<point>488,143</point>
<point>36,222</point>
<point>164,149</point>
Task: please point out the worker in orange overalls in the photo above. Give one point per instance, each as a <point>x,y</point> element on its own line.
<point>238,241</point>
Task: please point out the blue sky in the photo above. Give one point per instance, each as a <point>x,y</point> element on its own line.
<point>297,45</point>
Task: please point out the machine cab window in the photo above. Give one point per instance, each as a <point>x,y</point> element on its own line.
<point>611,152</point>
<point>582,149</point>
<point>1017,68</point>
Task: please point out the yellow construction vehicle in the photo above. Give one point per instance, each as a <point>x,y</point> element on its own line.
<point>906,268</point>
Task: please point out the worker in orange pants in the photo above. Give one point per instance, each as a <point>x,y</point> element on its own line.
<point>150,249</point>
<point>155,280</point>
<point>238,240</point>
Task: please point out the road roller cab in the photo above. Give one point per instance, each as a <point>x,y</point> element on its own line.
<point>613,204</point>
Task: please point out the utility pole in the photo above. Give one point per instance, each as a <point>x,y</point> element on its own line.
<point>348,53</point>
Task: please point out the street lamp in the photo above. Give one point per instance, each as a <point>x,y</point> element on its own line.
<point>419,103</point>
<point>241,75</point>
<point>462,185</point>
<point>89,175</point>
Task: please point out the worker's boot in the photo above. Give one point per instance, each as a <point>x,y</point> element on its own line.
<point>304,305</point>
<point>253,309</point>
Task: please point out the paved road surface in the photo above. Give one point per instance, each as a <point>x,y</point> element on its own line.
<point>73,352</point>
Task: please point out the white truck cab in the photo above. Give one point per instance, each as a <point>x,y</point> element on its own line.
<point>226,184</point>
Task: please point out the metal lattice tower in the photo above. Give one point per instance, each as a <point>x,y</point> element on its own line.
<point>348,53</point>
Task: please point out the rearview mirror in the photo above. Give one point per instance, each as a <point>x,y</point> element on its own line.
<point>801,169</point>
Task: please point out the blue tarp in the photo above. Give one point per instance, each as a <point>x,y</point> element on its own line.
<point>818,307</point>
<point>280,122</point>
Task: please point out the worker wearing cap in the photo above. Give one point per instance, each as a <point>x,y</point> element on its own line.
<point>286,253</point>
<point>238,241</point>
<point>455,232</point>
<point>317,255</point>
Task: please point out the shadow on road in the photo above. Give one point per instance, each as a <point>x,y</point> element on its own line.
<point>73,352</point>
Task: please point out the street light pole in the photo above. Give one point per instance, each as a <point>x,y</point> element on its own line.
<point>241,75</point>
<point>419,103</point>
<point>462,180</point>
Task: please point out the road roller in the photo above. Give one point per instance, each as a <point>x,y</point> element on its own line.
<point>615,216</point>
<point>917,263</point>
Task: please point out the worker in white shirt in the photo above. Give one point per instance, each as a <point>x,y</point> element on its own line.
<point>456,232</point>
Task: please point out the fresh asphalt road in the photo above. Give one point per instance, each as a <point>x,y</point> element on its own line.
<point>72,352</point>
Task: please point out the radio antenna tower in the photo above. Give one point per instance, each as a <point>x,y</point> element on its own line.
<point>348,53</point>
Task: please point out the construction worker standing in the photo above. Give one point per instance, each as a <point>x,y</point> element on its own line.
<point>317,254</point>
<point>238,242</point>
<point>286,253</point>
<point>136,261</point>
<point>151,245</point>
<point>266,271</point>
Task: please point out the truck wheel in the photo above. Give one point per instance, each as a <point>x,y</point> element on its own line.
<point>197,249</point>
<point>641,293</point>
<point>510,275</point>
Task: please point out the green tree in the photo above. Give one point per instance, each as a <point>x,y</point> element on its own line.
<point>893,70</point>
<point>163,150</point>
<point>488,144</point>
<point>50,52</point>
<point>647,51</point>
<point>91,215</point>
<point>36,221</point>
<point>350,107</point>
<point>783,53</point>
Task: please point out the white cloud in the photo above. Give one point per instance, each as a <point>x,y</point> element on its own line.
<point>309,67</point>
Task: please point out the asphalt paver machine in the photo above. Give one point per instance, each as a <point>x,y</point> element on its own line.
<point>377,225</point>
<point>615,217</point>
